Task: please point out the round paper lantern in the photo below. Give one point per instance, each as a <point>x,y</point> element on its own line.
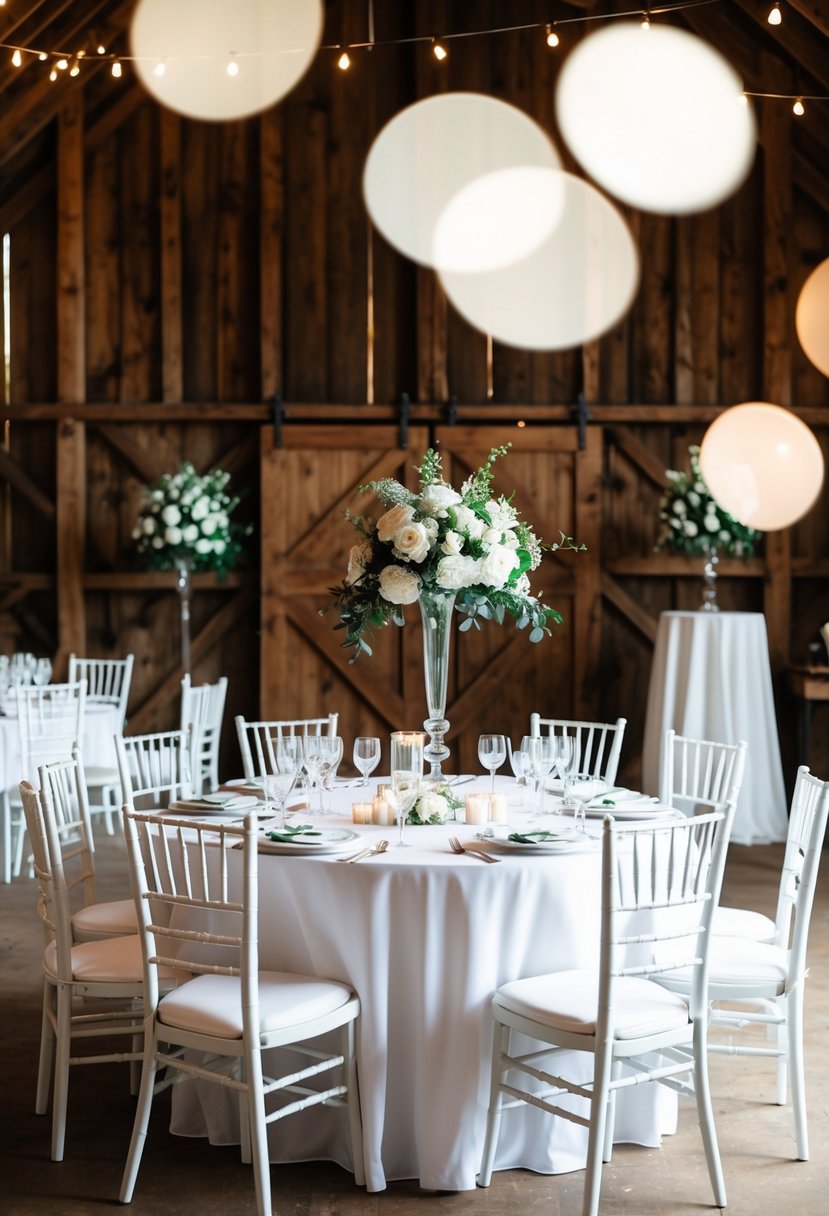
<point>812,317</point>
<point>577,284</point>
<point>439,150</point>
<point>223,59</point>
<point>657,117</point>
<point>762,465</point>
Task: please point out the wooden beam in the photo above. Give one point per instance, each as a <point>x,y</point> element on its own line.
<point>814,11</point>
<point>272,206</point>
<point>645,460</point>
<point>172,365</point>
<point>630,608</point>
<point>71,379</point>
<point>797,40</point>
<point>148,466</point>
<point>587,600</point>
<point>14,475</point>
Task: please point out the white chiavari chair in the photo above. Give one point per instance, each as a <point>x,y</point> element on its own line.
<point>598,744</point>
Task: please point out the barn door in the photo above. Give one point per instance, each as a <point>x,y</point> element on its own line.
<point>497,676</point>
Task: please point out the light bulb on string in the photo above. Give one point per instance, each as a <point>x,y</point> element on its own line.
<point>439,50</point>
<point>62,65</point>
<point>645,23</point>
<point>116,69</point>
<point>53,75</point>
<point>344,62</point>
<point>43,56</point>
<point>17,58</point>
<point>75,68</point>
<point>101,49</point>
<point>232,68</point>
<point>160,68</point>
<point>552,37</point>
<point>798,108</point>
<point>775,16</point>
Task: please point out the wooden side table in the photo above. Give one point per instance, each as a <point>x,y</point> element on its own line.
<point>811,686</point>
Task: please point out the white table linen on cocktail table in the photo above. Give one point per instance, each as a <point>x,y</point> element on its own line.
<point>425,938</point>
<point>711,679</point>
<point>100,724</point>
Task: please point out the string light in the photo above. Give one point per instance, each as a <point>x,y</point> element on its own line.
<point>344,62</point>
<point>116,68</point>
<point>439,50</point>
<point>101,49</point>
<point>552,37</point>
<point>43,56</point>
<point>62,65</point>
<point>232,68</point>
<point>646,21</point>
<point>775,16</point>
<point>75,68</point>
<point>798,108</point>
<point>53,74</point>
<point>17,58</point>
<point>160,68</point>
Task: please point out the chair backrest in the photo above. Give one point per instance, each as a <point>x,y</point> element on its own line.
<point>670,871</point>
<point>699,774</point>
<point>53,898</point>
<point>257,740</point>
<point>204,706</point>
<point>154,765</point>
<point>598,744</point>
<point>184,867</point>
<point>50,722</point>
<point>63,798</point>
<point>107,681</point>
<point>801,862</point>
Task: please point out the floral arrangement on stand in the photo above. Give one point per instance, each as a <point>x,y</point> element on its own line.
<point>466,543</point>
<point>185,518</point>
<point>692,522</point>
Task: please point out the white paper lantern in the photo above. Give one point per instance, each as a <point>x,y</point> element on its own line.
<point>576,285</point>
<point>438,162</point>
<point>657,117</point>
<point>812,317</point>
<point>762,465</point>
<point>223,59</point>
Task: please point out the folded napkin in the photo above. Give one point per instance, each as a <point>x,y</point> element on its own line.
<point>539,837</point>
<point>621,798</point>
<point>291,832</point>
<point>230,802</point>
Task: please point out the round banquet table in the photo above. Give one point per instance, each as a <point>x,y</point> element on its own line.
<point>101,723</point>
<point>425,937</point>
<point>711,679</point>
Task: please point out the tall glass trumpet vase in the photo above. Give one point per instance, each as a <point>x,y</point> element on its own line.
<point>709,582</point>
<point>184,587</point>
<point>436,608</point>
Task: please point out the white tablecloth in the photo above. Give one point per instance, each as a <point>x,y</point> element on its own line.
<point>711,679</point>
<point>425,938</point>
<point>100,725</point>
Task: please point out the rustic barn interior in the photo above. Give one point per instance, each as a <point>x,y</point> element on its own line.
<point>215,292</point>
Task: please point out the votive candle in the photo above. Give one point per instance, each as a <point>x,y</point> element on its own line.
<point>381,812</point>
<point>361,812</point>
<point>476,808</point>
<point>497,808</point>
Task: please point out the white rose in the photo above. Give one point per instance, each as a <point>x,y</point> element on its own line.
<point>157,496</point>
<point>712,524</point>
<point>358,559</point>
<point>399,586</point>
<point>172,536</point>
<point>452,544</point>
<point>149,525</point>
<point>201,508</point>
<point>171,516</point>
<point>491,536</point>
<point>411,542</point>
<point>432,806</point>
<point>202,545</point>
<point>158,542</point>
<point>690,528</point>
<point>725,535</point>
<point>392,521</point>
<point>497,566</point>
<point>436,499</point>
<point>693,498</point>
<point>680,508</point>
<point>189,534</point>
<point>467,521</point>
<point>454,573</point>
<point>219,546</point>
<point>510,540</point>
<point>208,525</point>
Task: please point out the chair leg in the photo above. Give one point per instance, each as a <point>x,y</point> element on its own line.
<point>355,1121</point>
<point>20,842</point>
<point>500,1043</point>
<point>705,1113</point>
<point>782,1036</point>
<point>62,1053</point>
<point>258,1133</point>
<point>794,1025</point>
<point>598,1123</point>
<point>610,1126</point>
<point>46,1061</point>
<point>142,1115</point>
<point>6,828</point>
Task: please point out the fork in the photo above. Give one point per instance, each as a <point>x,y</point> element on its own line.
<point>456,847</point>
<point>380,847</point>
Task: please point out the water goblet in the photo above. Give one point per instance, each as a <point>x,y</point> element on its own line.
<point>366,756</point>
<point>331,754</point>
<point>312,751</point>
<point>521,764</point>
<point>42,672</point>
<point>541,750</point>
<point>277,787</point>
<point>406,775</point>
<point>492,752</point>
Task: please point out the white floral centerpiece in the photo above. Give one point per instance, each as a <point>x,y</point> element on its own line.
<point>434,806</point>
<point>185,519</point>
<point>466,543</point>
<point>692,522</point>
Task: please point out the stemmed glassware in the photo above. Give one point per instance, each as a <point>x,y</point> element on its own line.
<point>277,787</point>
<point>567,764</point>
<point>366,756</point>
<point>406,775</point>
<point>492,752</point>
<point>42,672</point>
<point>288,760</point>
<point>541,750</point>
<point>520,763</point>
<point>331,754</point>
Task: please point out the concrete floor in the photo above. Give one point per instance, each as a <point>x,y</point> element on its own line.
<point>180,1176</point>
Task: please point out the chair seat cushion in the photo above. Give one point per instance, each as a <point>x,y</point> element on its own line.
<point>115,960</point>
<point>738,962</point>
<point>96,775</point>
<point>568,1000</point>
<point>110,919</point>
<point>212,1004</point>
<point>742,922</point>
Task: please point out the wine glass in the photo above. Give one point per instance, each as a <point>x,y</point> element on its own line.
<point>567,764</point>
<point>331,754</point>
<point>406,775</point>
<point>541,750</point>
<point>312,751</point>
<point>42,672</point>
<point>521,764</point>
<point>366,756</point>
<point>277,787</point>
<point>492,752</point>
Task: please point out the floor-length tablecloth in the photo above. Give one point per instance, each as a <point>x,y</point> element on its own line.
<point>711,679</point>
<point>100,725</point>
<point>425,938</point>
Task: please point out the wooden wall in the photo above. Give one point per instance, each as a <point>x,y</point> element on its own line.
<point>169,279</point>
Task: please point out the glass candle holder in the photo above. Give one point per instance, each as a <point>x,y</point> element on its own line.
<point>361,812</point>
<point>476,808</point>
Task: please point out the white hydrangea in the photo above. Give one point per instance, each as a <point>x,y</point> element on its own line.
<point>201,508</point>
<point>436,500</point>
<point>453,573</point>
<point>172,536</point>
<point>171,516</point>
<point>399,586</point>
<point>497,566</point>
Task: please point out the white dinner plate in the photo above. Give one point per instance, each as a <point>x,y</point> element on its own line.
<point>567,842</point>
<point>214,804</point>
<point>329,840</point>
<point>646,809</point>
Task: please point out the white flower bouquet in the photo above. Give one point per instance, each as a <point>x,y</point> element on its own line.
<point>468,543</point>
<point>434,806</point>
<point>185,518</point>
<point>692,522</point>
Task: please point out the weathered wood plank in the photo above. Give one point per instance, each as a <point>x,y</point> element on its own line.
<point>140,322</point>
<point>630,608</point>
<point>172,365</point>
<point>271,222</point>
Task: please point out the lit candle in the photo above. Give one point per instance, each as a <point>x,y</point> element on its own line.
<point>381,812</point>
<point>497,807</point>
<point>361,812</point>
<point>476,808</point>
